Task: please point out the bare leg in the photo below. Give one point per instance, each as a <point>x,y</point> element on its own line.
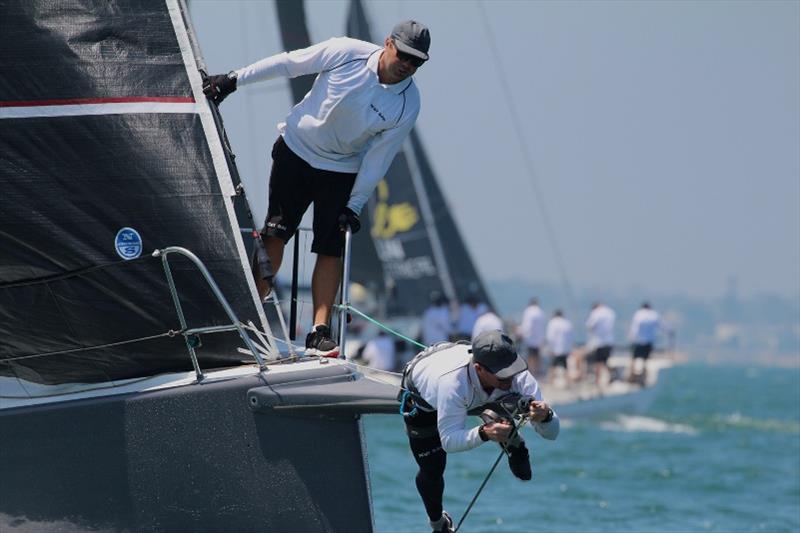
<point>324,284</point>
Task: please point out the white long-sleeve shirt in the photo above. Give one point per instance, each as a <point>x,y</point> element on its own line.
<point>447,380</point>
<point>488,321</point>
<point>436,325</point>
<point>349,121</point>
<point>644,326</point>
<point>467,315</point>
<point>380,353</point>
<point>531,329</point>
<point>559,336</point>
<point>600,326</point>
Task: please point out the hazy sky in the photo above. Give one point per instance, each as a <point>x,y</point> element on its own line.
<point>665,136</point>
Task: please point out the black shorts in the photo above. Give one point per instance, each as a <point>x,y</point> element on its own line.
<point>293,185</point>
<point>560,361</point>
<point>533,352</point>
<point>601,354</point>
<point>642,351</point>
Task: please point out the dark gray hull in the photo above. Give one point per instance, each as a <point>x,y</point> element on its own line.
<point>192,458</point>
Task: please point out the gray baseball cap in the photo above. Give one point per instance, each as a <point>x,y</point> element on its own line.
<point>495,351</point>
<point>413,38</point>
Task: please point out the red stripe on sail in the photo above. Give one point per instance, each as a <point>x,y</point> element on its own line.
<point>112,100</point>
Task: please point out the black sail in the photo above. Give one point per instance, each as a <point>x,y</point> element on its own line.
<point>412,245</point>
<point>108,151</point>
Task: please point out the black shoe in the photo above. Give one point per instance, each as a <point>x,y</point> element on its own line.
<point>444,524</point>
<point>519,461</point>
<point>319,342</point>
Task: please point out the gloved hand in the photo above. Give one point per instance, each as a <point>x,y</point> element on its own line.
<point>349,218</point>
<point>217,87</point>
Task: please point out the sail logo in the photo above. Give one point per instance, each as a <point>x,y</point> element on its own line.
<point>128,243</point>
<point>391,219</point>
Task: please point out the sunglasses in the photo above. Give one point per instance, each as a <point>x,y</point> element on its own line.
<point>408,58</point>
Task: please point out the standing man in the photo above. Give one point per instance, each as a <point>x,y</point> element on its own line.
<point>600,327</point>
<point>468,313</point>
<point>381,353</point>
<point>531,331</point>
<point>333,148</point>
<point>559,342</point>
<point>644,327</point>
<point>446,381</point>
<point>487,321</point>
<point>436,323</point>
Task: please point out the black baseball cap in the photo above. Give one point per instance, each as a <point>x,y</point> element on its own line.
<point>494,350</point>
<point>413,38</point>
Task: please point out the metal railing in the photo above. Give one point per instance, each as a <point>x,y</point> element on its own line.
<point>191,336</point>
<point>345,292</point>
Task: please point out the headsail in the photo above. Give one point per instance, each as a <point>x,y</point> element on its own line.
<point>108,151</point>
<point>416,241</point>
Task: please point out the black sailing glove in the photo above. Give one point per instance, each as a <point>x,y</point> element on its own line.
<point>217,87</point>
<point>348,218</point>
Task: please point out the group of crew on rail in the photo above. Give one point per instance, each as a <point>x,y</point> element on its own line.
<point>548,343</point>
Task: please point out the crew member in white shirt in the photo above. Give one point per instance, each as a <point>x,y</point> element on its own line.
<point>380,352</point>
<point>436,323</point>
<point>559,342</point>
<point>644,328</point>
<point>531,331</point>
<point>333,148</point>
<point>468,313</point>
<point>600,326</point>
<point>446,381</point>
<point>488,321</point>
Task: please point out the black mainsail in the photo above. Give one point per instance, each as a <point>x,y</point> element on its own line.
<point>413,245</point>
<point>109,151</point>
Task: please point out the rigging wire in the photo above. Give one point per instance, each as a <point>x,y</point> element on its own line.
<point>528,159</point>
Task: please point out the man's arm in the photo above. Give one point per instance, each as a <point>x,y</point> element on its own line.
<point>451,407</point>
<point>311,60</point>
<point>377,160</point>
<point>544,423</point>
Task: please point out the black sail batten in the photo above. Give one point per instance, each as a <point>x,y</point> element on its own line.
<point>413,245</point>
<point>103,126</point>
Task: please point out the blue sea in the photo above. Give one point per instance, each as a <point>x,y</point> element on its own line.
<point>719,450</point>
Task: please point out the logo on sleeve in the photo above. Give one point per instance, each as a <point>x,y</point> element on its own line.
<point>378,111</point>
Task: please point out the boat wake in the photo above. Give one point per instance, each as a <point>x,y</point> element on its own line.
<point>644,424</point>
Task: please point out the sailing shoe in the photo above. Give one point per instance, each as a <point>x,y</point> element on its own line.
<point>319,342</point>
<point>444,524</point>
<point>519,461</point>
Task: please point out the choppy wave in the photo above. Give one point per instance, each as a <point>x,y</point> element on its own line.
<point>645,424</point>
<point>739,420</point>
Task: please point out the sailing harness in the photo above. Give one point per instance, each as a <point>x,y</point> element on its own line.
<point>409,396</point>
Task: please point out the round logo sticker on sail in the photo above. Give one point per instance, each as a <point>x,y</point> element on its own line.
<point>128,243</point>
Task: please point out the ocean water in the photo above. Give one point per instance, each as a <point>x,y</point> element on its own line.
<point>719,450</point>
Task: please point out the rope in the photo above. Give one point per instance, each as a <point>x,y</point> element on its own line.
<point>527,158</point>
<point>170,333</point>
<point>71,273</point>
<point>491,471</point>
<point>381,325</point>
